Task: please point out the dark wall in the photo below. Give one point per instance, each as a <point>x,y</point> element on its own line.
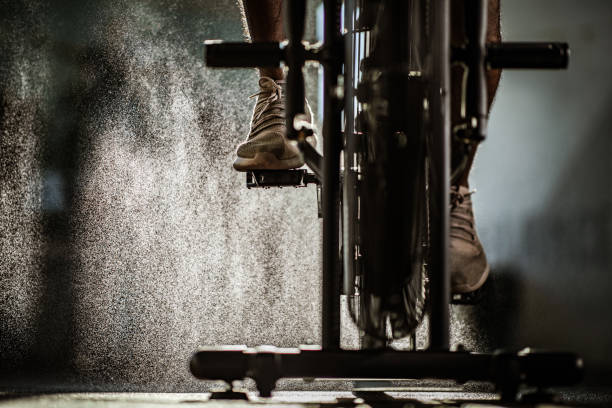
<point>544,200</point>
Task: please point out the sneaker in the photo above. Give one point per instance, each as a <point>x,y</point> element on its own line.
<point>468,263</point>
<point>267,147</point>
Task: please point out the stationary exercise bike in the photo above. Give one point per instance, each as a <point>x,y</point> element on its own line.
<point>384,179</point>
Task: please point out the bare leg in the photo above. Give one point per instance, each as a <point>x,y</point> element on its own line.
<point>493,76</point>
<point>264,23</point>
<point>267,147</point>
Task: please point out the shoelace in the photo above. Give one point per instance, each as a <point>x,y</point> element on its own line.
<point>270,93</point>
<point>462,216</point>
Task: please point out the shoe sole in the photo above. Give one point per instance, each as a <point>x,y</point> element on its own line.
<point>471,288</point>
<point>267,161</point>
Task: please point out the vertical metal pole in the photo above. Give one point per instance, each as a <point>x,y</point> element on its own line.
<point>330,329</point>
<point>440,180</point>
<point>348,193</point>
<point>294,13</point>
<point>476,87</point>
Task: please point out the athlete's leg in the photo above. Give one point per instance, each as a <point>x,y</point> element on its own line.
<point>264,22</point>
<point>493,36</point>
<point>266,146</point>
<point>493,76</point>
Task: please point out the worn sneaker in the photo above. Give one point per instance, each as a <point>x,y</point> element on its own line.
<point>267,147</point>
<point>468,263</point>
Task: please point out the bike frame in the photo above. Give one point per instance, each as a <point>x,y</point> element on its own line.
<point>508,370</point>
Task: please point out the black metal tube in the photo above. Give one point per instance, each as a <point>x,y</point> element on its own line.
<point>502,367</point>
<point>528,55</point>
<point>350,178</point>
<point>236,365</point>
<point>476,88</point>
<point>294,14</point>
<point>214,364</point>
<point>330,308</point>
<point>440,179</point>
<point>386,364</point>
<point>242,55</point>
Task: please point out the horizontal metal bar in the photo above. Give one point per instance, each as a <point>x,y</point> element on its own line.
<point>295,363</point>
<point>242,54</point>
<point>270,364</point>
<point>528,55</point>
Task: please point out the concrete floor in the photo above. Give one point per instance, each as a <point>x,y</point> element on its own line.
<point>296,399</point>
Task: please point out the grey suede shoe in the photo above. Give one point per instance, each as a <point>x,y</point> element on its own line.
<point>468,263</point>
<point>267,147</point>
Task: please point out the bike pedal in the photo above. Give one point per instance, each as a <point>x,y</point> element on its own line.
<point>279,178</point>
